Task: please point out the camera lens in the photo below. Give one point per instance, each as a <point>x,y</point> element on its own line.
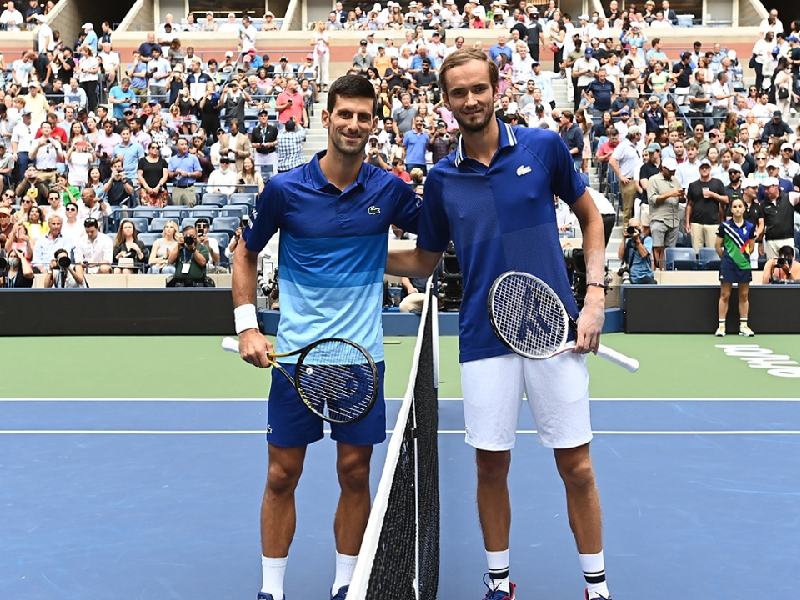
<point>64,262</point>
<point>631,230</point>
<point>781,261</point>
<point>189,240</point>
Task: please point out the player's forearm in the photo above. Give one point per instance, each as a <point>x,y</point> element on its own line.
<point>245,274</point>
<point>594,248</point>
<point>412,263</point>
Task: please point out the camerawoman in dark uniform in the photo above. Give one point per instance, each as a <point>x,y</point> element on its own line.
<point>190,258</point>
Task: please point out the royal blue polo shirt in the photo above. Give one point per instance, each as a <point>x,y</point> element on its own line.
<point>332,251</point>
<point>501,218</point>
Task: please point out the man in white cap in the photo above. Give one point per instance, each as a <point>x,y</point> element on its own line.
<point>626,162</point>
<point>664,195</point>
<point>91,37</point>
<point>789,169</point>
<point>778,217</point>
<point>449,15</point>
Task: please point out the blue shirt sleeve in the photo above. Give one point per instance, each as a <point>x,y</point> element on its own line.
<point>434,227</point>
<point>406,214</point>
<point>266,218</point>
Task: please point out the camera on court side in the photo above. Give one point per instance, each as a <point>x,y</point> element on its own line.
<point>189,240</point>
<point>64,262</point>
<point>781,262</point>
<point>631,230</point>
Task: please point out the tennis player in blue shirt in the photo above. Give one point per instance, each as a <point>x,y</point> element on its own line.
<point>334,215</point>
<point>493,196</point>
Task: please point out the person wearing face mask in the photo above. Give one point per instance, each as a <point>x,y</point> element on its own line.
<point>20,272</point>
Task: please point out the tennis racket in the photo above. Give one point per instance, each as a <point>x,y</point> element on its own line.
<point>336,378</point>
<point>530,319</point>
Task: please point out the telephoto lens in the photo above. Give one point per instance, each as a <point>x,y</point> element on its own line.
<point>189,240</point>
<point>64,262</point>
<point>631,230</point>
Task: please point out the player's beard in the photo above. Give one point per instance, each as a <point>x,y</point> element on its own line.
<point>477,124</point>
<point>348,149</point>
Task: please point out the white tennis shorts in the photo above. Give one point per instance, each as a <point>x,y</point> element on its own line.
<point>558,396</point>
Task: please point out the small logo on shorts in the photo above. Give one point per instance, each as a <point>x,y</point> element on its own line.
<point>269,428</point>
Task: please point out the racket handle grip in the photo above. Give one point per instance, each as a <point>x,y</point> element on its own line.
<point>230,345</point>
<point>626,362</point>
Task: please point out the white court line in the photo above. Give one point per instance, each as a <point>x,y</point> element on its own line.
<point>609,399</point>
<point>441,432</point>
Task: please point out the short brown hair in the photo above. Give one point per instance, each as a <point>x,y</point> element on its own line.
<point>462,57</point>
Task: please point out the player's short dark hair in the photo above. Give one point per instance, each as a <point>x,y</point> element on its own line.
<point>352,86</point>
<point>463,56</point>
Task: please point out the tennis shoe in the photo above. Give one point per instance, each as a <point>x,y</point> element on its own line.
<point>746,331</point>
<point>720,332</point>
<point>598,597</point>
<point>265,596</point>
<point>342,593</point>
<point>495,594</point>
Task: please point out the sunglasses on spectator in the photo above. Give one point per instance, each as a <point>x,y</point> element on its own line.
<point>72,209</point>
<point>27,201</point>
<point>761,158</point>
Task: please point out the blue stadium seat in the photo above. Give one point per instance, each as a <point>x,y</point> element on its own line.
<point>149,238</point>
<point>243,198</point>
<point>235,210</point>
<point>225,224</point>
<point>147,212</point>
<point>141,223</point>
<point>709,259</point>
<point>176,213</point>
<point>680,259</point>
<point>210,199</point>
<point>187,222</point>
<point>157,224</point>
<point>208,213</point>
<point>223,240</point>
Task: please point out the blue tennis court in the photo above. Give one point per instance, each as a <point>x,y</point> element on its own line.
<point>159,499</point>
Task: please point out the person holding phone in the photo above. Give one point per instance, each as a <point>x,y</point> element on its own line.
<point>664,196</point>
<point>289,104</point>
<point>202,225</point>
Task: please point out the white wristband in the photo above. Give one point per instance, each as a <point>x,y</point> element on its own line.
<point>245,318</point>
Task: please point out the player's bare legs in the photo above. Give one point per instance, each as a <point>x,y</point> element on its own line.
<point>583,501</point>
<point>352,467</point>
<point>278,513</point>
<point>494,504</point>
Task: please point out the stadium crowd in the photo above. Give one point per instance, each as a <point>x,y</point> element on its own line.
<point>77,122</point>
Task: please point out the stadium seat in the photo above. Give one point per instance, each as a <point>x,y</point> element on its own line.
<point>176,213</point>
<point>187,222</point>
<point>709,259</point>
<point>222,239</point>
<point>157,224</point>
<point>210,199</point>
<point>684,240</point>
<point>149,238</point>
<point>235,210</point>
<point>680,259</point>
<point>147,212</point>
<point>208,213</point>
<point>141,223</point>
<point>243,198</point>
<point>225,224</point>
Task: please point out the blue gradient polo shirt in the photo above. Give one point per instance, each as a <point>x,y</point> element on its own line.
<point>501,218</point>
<point>332,251</point>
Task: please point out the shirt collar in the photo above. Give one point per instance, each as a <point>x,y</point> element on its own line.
<point>318,179</point>
<point>507,139</point>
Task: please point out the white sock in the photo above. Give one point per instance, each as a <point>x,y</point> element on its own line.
<point>498,570</point>
<point>272,573</point>
<point>345,565</point>
<point>594,571</point>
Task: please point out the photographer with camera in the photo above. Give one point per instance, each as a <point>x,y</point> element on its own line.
<point>190,258</point>
<point>636,253</point>
<point>374,155</point>
<point>782,269</point>
<point>11,267</point>
<point>63,273</point>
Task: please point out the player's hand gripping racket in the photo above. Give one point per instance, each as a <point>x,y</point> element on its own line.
<point>530,319</point>
<point>336,378</point>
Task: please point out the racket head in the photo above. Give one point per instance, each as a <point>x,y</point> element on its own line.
<point>527,316</point>
<point>337,379</point>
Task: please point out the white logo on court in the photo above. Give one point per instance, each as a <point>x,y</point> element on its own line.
<point>522,170</point>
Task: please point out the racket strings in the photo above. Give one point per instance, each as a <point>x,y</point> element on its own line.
<point>528,316</point>
<point>337,380</point>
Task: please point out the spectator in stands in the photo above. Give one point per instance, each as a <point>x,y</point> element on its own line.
<point>664,195</point>
<point>235,144</point>
<point>36,223</point>
<point>78,158</point>
<point>202,225</point>
<point>152,175</point>
<point>11,19</point>
<point>130,152</point>
<point>705,207</point>
<point>6,226</point>
<point>20,241</point>
<point>290,105</point>
<point>209,24</point>
<point>223,179</point>
<point>776,127</point>
<point>94,250</point>
<point>47,244</point>
<point>249,175</point>
<point>783,268</point>
<point>573,137</point>
<point>636,253</point>
<point>625,162</point>
<point>290,146</point>
<point>68,275</point>
<point>118,189</point>
<point>583,71</point>
<point>127,245</point>
<point>320,43</point>
<point>32,187</point>
<point>416,142</point>
<point>6,167</point>
<point>45,153</point>
<point>189,258</point>
<point>264,139</point>
<point>159,254</point>
<point>269,22</point>
<point>159,69</point>
<point>184,169</point>
<point>778,217</point>
<point>18,264</point>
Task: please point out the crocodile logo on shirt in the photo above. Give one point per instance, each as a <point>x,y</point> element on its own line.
<point>374,210</point>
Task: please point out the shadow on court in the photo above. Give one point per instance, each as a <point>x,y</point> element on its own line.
<point>700,501</point>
